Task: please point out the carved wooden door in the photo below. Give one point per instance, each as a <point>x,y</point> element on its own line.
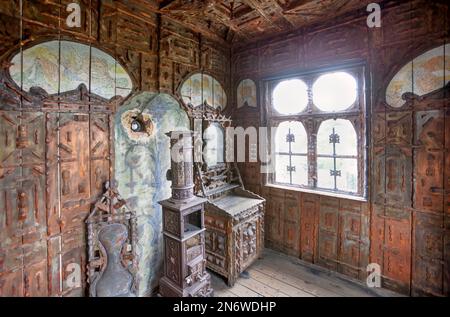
<point>54,161</point>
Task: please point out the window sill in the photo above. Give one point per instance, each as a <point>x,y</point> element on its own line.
<point>318,192</point>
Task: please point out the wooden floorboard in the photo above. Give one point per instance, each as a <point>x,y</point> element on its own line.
<point>278,275</point>
<point>282,287</point>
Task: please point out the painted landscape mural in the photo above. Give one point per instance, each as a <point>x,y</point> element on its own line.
<point>431,72</point>
<point>59,66</point>
<point>141,165</point>
<point>200,88</point>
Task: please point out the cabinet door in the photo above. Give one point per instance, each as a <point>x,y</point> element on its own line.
<point>247,241</point>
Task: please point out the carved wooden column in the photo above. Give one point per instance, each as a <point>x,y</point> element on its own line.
<point>183,227</point>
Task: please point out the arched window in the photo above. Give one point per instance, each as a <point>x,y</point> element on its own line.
<point>291,150</point>
<point>335,91</point>
<point>337,160</point>
<point>290,96</point>
<point>320,144</point>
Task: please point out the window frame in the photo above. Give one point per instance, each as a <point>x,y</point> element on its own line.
<point>312,117</point>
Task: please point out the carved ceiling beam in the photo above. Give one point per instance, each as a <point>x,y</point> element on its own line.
<point>295,5</point>
<point>213,13</point>
<point>186,10</point>
<point>202,30</point>
<point>281,19</point>
<point>199,10</point>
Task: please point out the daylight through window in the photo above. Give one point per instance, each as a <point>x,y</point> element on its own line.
<point>320,137</point>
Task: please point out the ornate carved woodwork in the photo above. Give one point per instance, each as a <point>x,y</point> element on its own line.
<point>245,21</point>
<point>183,227</point>
<point>111,231</point>
<point>234,217</point>
<point>55,159</point>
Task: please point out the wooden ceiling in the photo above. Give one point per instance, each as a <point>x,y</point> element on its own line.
<point>250,20</point>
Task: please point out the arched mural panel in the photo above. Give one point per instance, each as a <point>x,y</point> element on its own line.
<point>60,66</point>
<point>246,94</point>
<point>142,160</point>
<point>423,75</point>
<point>202,88</point>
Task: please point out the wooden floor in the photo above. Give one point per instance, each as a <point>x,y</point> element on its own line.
<point>278,275</point>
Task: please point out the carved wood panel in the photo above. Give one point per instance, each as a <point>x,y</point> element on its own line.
<point>53,166</point>
<point>274,222</point>
<point>292,224</point>
<point>22,192</point>
<point>353,251</point>
<point>397,254</point>
<point>428,261</point>
<point>327,250</point>
<point>74,169</point>
<point>393,183</point>
<point>309,212</point>
<point>429,161</point>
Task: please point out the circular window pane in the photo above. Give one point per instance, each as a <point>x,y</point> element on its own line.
<point>334,91</point>
<point>290,96</point>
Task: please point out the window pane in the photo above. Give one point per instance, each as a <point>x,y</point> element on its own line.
<point>347,138</point>
<point>290,96</point>
<point>281,144</point>
<point>324,178</point>
<point>299,144</point>
<point>348,181</point>
<point>334,91</point>
<point>300,175</point>
<point>282,174</point>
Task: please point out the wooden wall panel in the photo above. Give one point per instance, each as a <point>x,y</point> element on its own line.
<point>344,42</point>
<point>279,56</point>
<point>291,224</point>
<point>328,233</point>
<point>22,186</point>
<point>353,252</point>
<point>274,219</point>
<point>308,226</point>
<point>428,261</point>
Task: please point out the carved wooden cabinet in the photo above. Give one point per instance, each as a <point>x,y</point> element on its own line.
<point>234,221</point>
<point>234,217</point>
